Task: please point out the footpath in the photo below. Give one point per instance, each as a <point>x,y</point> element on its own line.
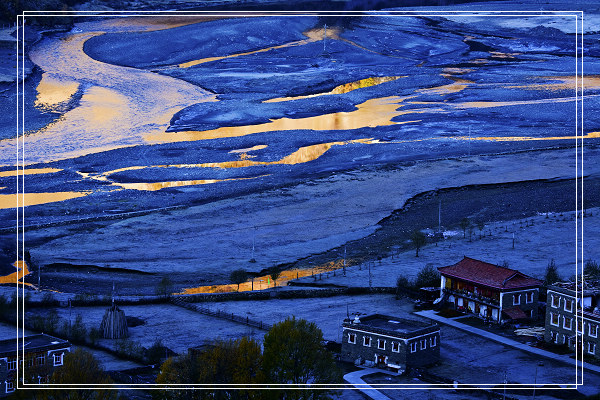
<point>430,314</point>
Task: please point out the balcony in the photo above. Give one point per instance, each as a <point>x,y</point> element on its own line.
<point>475,297</point>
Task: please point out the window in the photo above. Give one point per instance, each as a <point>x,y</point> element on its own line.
<point>352,338</point>
<point>569,305</point>
<point>593,330</point>
<point>10,387</point>
<point>567,323</point>
<point>529,297</point>
<point>12,364</point>
<point>554,336</point>
<point>516,299</point>
<point>591,348</point>
<point>367,341</point>
<point>58,359</point>
<point>40,360</point>
<point>564,339</point>
<point>396,347</point>
<point>555,301</point>
<point>381,344</point>
<point>578,326</point>
<point>432,341</point>
<point>29,362</point>
<point>423,344</point>
<point>413,347</point>
<point>554,319</point>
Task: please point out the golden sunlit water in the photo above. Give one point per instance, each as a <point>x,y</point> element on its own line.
<point>265,281</point>
<point>29,171</point>
<point>372,113</point>
<point>345,88</point>
<point>16,277</point>
<point>31,199</point>
<point>312,35</point>
<point>588,82</point>
<point>118,108</point>
<point>53,91</point>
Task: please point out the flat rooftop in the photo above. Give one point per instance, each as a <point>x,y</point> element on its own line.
<point>392,324</point>
<point>32,343</point>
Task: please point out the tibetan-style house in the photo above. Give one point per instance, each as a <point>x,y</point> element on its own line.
<point>490,291</point>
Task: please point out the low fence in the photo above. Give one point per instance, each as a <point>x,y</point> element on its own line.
<point>220,314</point>
<point>285,294</point>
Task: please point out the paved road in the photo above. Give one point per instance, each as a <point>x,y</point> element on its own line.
<point>430,314</point>
<point>355,379</point>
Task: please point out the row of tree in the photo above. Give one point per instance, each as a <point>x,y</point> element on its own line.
<point>292,353</point>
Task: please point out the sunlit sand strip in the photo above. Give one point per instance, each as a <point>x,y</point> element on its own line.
<point>155,23</point>
<point>591,135</point>
<point>53,91</point>
<point>300,156</point>
<point>590,82</point>
<point>18,275</point>
<point>314,35</point>
<point>345,88</point>
<point>490,104</point>
<point>32,199</point>
<point>31,171</point>
<point>372,113</point>
<point>253,148</point>
<point>458,85</point>
<point>153,186</point>
<point>265,281</point>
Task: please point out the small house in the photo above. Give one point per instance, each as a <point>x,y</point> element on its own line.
<point>388,342</point>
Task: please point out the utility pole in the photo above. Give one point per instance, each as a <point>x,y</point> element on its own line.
<point>344,260</point>
<point>440,218</point>
<point>252,259</point>
<point>469,145</point>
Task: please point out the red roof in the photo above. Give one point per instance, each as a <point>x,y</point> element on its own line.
<point>482,273</point>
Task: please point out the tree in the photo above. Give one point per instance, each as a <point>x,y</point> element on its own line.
<point>274,275</point>
<point>236,362</point>
<point>231,362</point>
<point>80,367</point>
<point>428,276</point>
<point>480,226</point>
<point>78,330</point>
<point>238,276</point>
<point>592,269</point>
<point>403,285</point>
<point>178,370</point>
<point>164,288</point>
<point>464,224</point>
<point>418,240</point>
<point>294,354</point>
<point>551,275</point>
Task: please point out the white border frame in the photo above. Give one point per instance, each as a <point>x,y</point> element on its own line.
<point>21,19</point>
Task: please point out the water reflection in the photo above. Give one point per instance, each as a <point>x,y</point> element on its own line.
<point>31,199</point>
<point>590,135</point>
<point>312,35</point>
<point>53,92</point>
<point>372,113</point>
<point>153,186</point>
<point>28,171</point>
<point>265,281</point>
<point>345,88</point>
<point>589,82</point>
<point>16,277</point>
